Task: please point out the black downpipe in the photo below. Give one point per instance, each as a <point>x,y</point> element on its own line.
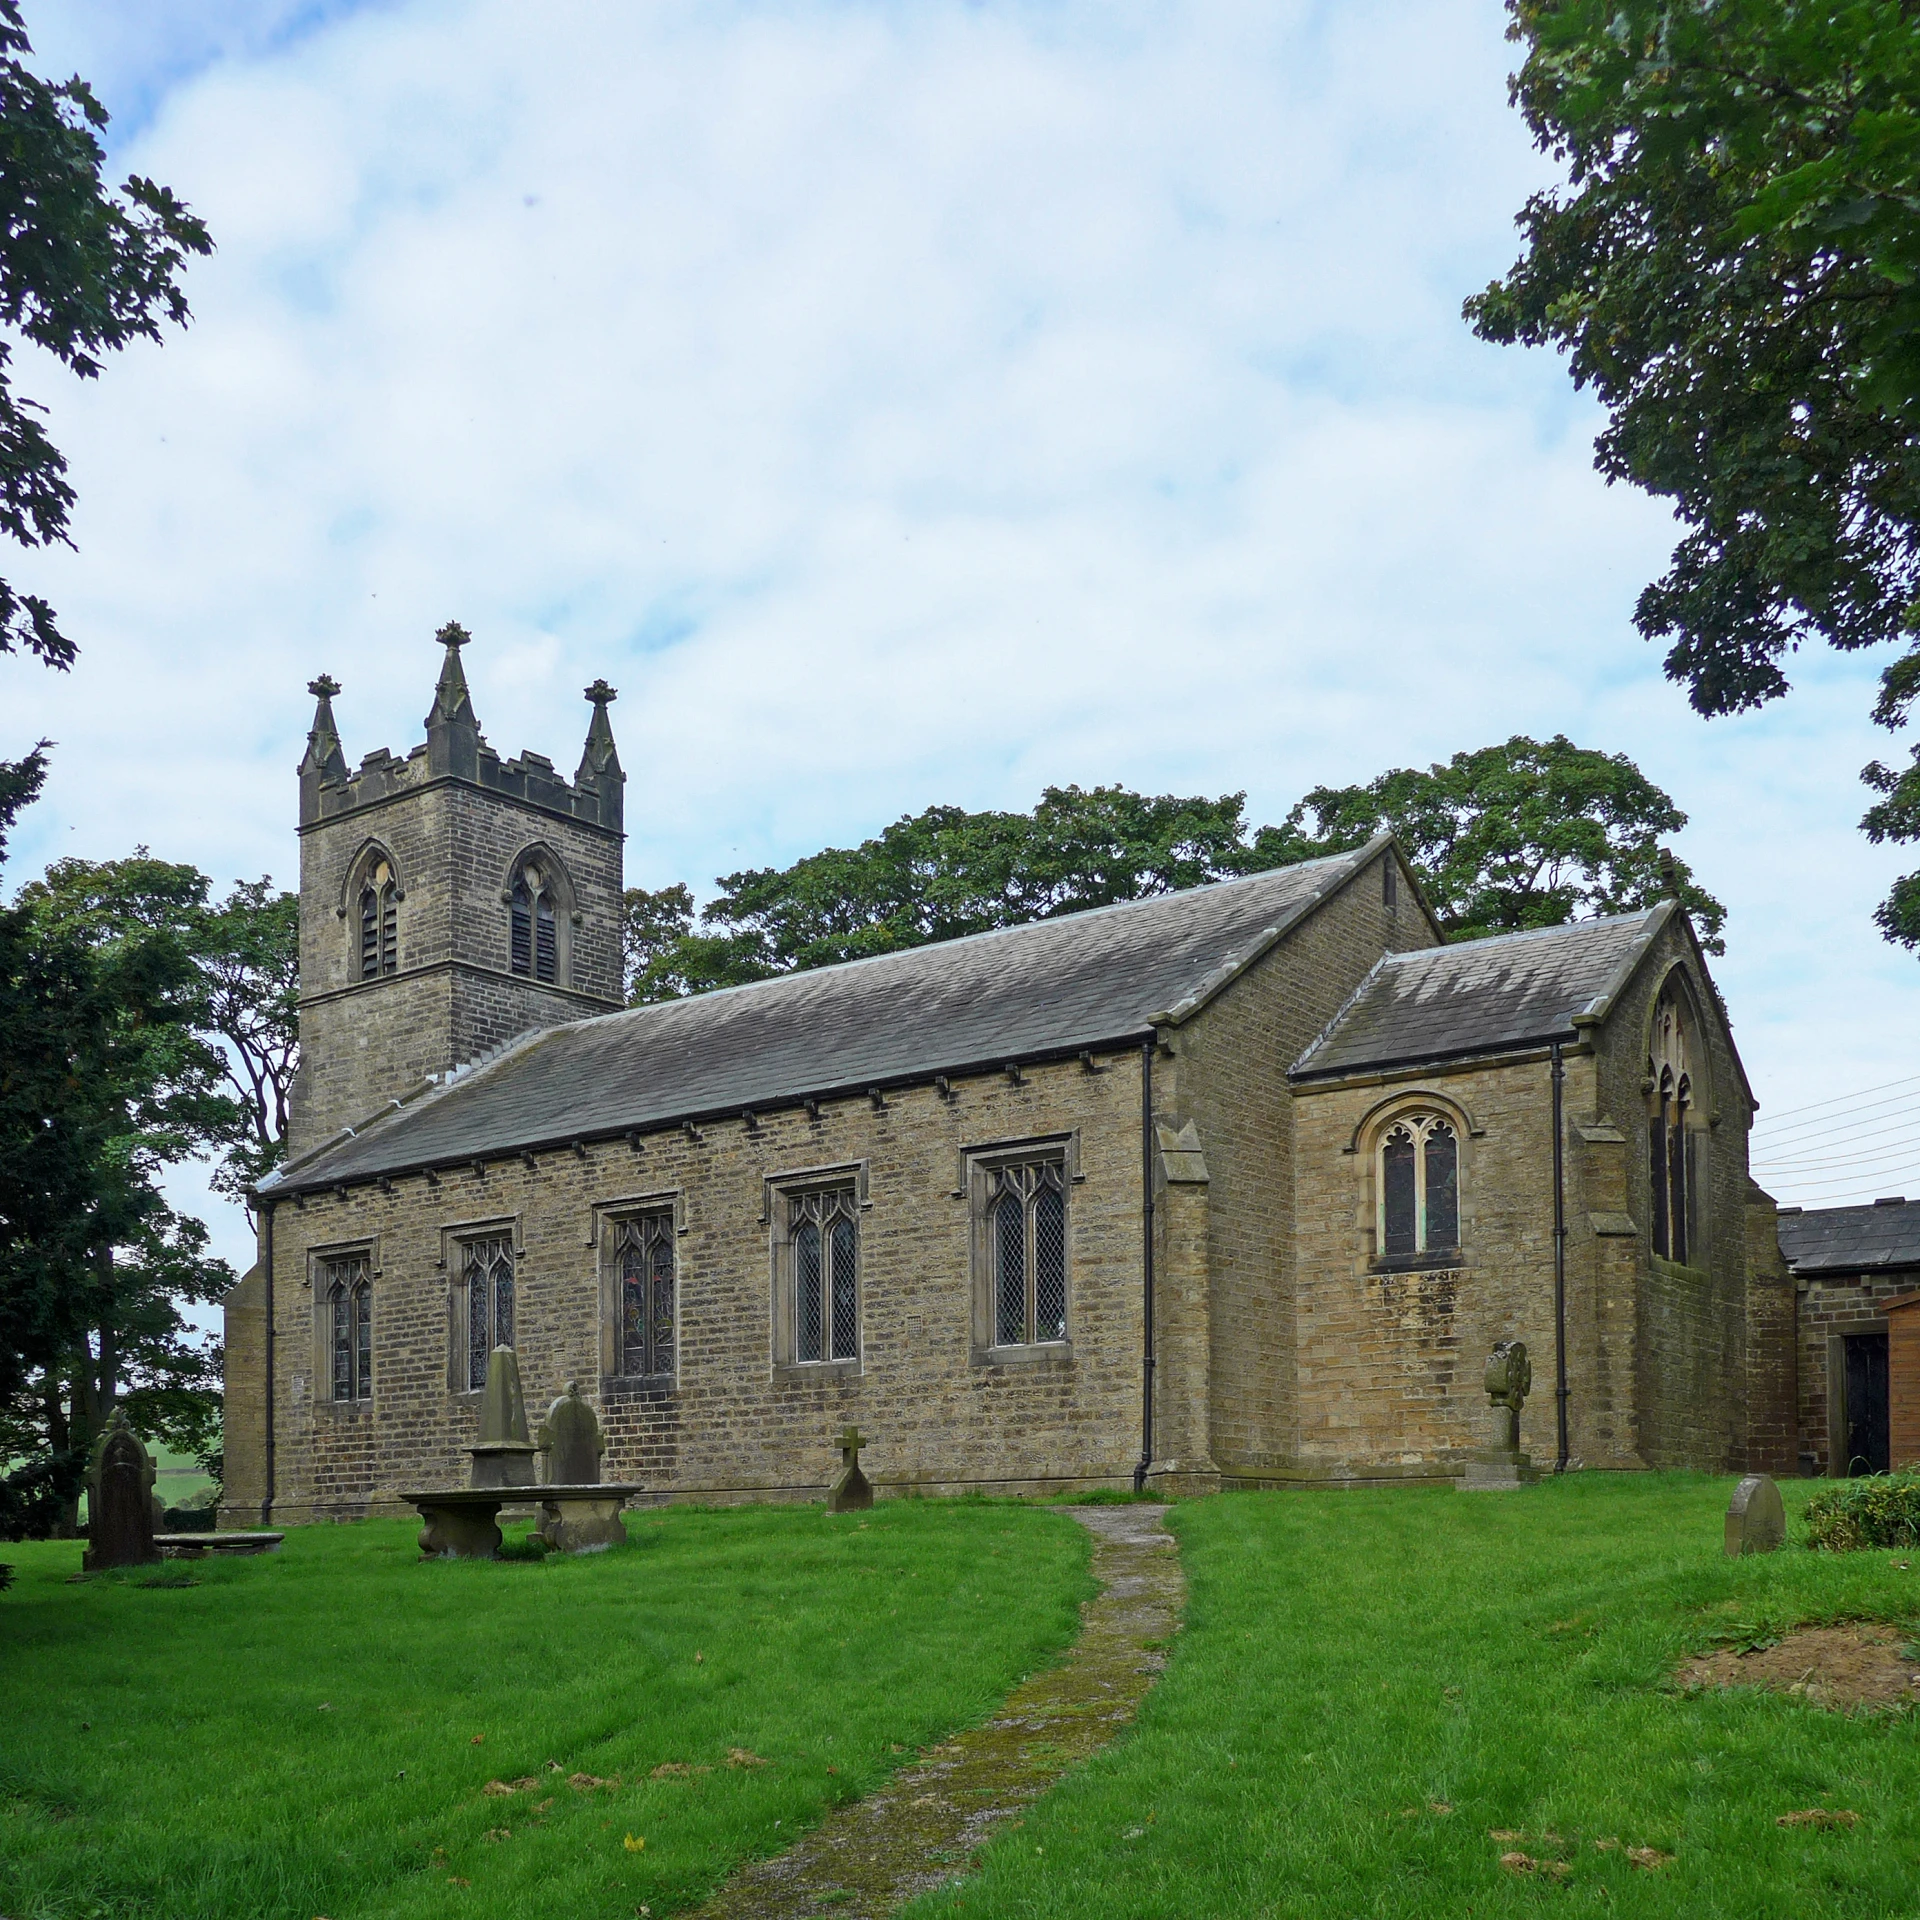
<point>1559,1263</point>
<point>266,1262</point>
<point>1146,1212</point>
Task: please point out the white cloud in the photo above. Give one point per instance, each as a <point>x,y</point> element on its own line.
<point>899,404</point>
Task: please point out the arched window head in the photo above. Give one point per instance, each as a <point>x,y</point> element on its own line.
<point>535,936</point>
<point>1673,1128</point>
<point>1419,1187</point>
<point>379,921</point>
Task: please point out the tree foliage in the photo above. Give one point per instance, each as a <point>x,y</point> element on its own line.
<point>1733,266</point>
<point>84,270</point>
<point>1520,835</point>
<point>1530,833</point>
<point>140,1026</point>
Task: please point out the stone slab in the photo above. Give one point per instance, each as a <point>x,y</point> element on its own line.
<point>1756,1518</point>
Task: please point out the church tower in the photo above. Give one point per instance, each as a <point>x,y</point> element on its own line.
<point>448,901</point>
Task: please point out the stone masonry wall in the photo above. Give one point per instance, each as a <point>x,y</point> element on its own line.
<point>733,1424</point>
<point>1832,1306</point>
<point>454,997</point>
<point>1231,1080</point>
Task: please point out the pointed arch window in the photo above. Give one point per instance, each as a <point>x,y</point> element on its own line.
<point>823,1239</point>
<point>645,1252</point>
<point>535,936</point>
<point>379,922</point>
<point>1418,1181</point>
<point>487,1268</point>
<point>348,1295</point>
<point>1672,1132</point>
<point>1027,1212</point>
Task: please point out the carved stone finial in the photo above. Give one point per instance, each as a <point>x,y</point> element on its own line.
<point>453,634</point>
<point>600,694</point>
<point>324,688</point>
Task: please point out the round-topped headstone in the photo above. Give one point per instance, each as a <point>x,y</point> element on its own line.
<point>1756,1519</point>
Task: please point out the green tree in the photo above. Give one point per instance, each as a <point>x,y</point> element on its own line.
<point>1526,834</point>
<point>933,876</point>
<point>84,270</point>
<point>1530,833</point>
<point>1733,266</point>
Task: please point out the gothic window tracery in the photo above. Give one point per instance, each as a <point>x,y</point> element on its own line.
<point>1673,1130</point>
<point>823,1241</point>
<point>534,940</point>
<point>379,921</point>
<point>644,1250</point>
<point>1419,1187</point>
<point>487,1269</point>
<point>1027,1218</point>
<point>348,1295</point>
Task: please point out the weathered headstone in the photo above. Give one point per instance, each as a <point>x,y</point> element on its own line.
<point>570,1438</point>
<point>119,1500</point>
<point>1502,1466</point>
<point>1756,1519</point>
<point>851,1491</point>
<point>503,1453</point>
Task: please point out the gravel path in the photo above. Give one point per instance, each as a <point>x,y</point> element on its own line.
<point>924,1826</point>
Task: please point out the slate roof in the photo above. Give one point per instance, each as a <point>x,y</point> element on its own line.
<point>1851,1239</point>
<point>1482,996</point>
<point>1051,987</point>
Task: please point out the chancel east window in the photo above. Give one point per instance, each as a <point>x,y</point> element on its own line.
<point>1672,1129</point>
<point>487,1268</point>
<point>823,1245</point>
<point>347,1300</point>
<point>1419,1183</point>
<point>379,922</point>
<point>536,927</point>
<point>644,1250</point>
<point>1026,1221</point>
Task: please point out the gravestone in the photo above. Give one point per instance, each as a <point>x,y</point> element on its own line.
<point>1502,1467</point>
<point>1756,1519</point>
<point>852,1491</point>
<point>120,1500</point>
<point>570,1438</point>
<point>503,1453</point>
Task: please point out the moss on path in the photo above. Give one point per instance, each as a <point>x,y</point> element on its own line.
<point>925,1825</point>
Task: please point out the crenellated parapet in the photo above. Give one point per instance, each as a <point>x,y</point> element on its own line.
<point>456,749</point>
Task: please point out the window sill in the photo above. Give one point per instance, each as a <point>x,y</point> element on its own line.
<point>1050,1353</point>
<point>1417,1262</point>
<point>805,1370</point>
<point>630,1386</point>
<point>345,1409</point>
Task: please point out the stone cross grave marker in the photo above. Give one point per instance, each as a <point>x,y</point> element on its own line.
<point>1502,1466</point>
<point>1756,1519</point>
<point>851,1491</point>
<point>119,1500</point>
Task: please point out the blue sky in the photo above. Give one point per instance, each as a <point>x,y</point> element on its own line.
<point>899,404</point>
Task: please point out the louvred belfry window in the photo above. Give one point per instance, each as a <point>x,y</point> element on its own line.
<point>1027,1218</point>
<point>824,1242</point>
<point>487,1268</point>
<point>1419,1185</point>
<point>379,922</point>
<point>347,1294</point>
<point>534,937</point>
<point>645,1252</point>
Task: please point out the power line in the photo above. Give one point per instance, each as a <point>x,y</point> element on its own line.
<point>1852,1186</point>
<point>1821,1142</point>
<point>1846,1119</point>
<point>1788,1112</point>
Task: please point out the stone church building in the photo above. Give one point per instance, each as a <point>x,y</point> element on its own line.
<point>1234,1187</point>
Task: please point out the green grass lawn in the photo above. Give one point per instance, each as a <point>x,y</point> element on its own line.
<point>310,1733</point>
<point>1351,1656</point>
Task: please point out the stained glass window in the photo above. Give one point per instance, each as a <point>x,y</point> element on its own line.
<point>1419,1187</point>
<point>824,1243</point>
<point>347,1291</point>
<point>488,1271</point>
<point>1027,1219</point>
<point>645,1251</point>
